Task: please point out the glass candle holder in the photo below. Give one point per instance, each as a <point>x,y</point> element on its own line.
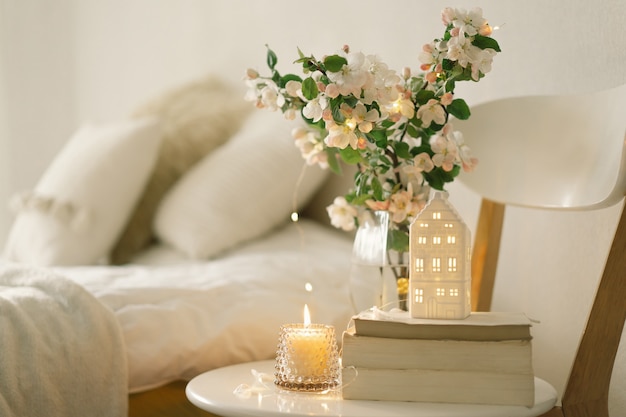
<point>307,358</point>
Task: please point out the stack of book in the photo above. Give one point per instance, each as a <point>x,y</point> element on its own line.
<point>483,359</point>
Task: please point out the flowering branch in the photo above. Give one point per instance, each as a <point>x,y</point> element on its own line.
<point>394,127</point>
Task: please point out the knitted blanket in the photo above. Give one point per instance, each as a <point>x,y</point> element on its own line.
<point>61,350</point>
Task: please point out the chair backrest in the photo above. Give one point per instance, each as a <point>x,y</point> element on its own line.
<point>556,152</point>
<point>564,152</point>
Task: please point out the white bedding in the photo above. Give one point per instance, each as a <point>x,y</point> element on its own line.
<point>180,318</point>
<point>61,351</point>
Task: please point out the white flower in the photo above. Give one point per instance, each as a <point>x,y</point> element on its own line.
<point>381,82</point>
<point>341,136</point>
<point>481,60</point>
<point>311,147</point>
<point>351,78</point>
<point>457,48</point>
<point>430,112</point>
<point>271,98</point>
<point>294,88</point>
<point>342,215</point>
<point>402,106</point>
<point>445,150</point>
<point>314,108</point>
<point>402,205</point>
<point>469,22</point>
<point>364,119</point>
<point>464,153</point>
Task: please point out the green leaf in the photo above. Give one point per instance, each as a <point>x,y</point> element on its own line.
<point>402,150</point>
<point>333,161</point>
<point>309,88</point>
<point>447,64</point>
<point>422,148</point>
<point>377,189</point>
<point>272,59</point>
<point>438,177</point>
<point>334,63</point>
<point>450,85</point>
<point>423,96</point>
<point>459,109</point>
<point>416,84</point>
<point>484,42</point>
<point>434,179</point>
<point>398,240</point>
<point>335,109</point>
<point>360,200</point>
<point>276,76</point>
<point>379,137</point>
<point>412,131</point>
<point>386,163</point>
<point>350,156</point>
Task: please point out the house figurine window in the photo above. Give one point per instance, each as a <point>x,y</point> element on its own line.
<point>440,279</point>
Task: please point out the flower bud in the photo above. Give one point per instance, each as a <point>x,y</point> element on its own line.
<point>406,73</point>
<point>446,98</point>
<point>251,74</point>
<point>485,30</point>
<point>331,90</point>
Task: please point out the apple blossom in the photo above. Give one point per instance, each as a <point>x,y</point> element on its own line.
<point>351,78</point>
<point>342,215</point>
<point>293,88</point>
<point>430,112</point>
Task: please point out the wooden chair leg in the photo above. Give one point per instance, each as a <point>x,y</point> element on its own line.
<point>485,253</point>
<point>587,390</point>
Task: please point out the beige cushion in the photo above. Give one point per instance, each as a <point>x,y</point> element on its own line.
<point>239,192</point>
<point>85,197</point>
<point>196,117</point>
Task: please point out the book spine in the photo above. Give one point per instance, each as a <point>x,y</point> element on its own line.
<point>512,356</point>
<point>438,386</point>
<point>373,328</point>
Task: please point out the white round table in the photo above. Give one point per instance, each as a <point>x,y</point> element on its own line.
<point>214,391</point>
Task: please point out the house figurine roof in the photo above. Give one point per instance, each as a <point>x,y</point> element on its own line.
<point>439,204</point>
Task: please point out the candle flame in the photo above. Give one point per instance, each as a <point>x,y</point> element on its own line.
<point>307,316</point>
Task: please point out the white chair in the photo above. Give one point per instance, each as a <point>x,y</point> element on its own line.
<point>556,152</point>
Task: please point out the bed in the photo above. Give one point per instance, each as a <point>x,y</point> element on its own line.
<point>156,248</point>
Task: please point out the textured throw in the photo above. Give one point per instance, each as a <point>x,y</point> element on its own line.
<point>61,350</point>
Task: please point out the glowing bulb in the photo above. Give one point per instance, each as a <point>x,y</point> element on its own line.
<point>294,217</point>
<point>308,287</point>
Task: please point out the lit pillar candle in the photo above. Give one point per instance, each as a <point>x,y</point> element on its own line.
<point>307,358</point>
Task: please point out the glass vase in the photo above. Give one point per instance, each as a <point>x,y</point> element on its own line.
<point>379,275</point>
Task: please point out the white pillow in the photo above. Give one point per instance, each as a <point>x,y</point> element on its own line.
<point>85,197</point>
<point>196,118</point>
<point>239,192</point>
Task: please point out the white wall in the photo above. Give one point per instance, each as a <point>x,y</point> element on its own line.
<point>65,62</point>
<point>37,91</point>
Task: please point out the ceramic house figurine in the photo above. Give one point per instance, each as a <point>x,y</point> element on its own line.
<point>440,254</point>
